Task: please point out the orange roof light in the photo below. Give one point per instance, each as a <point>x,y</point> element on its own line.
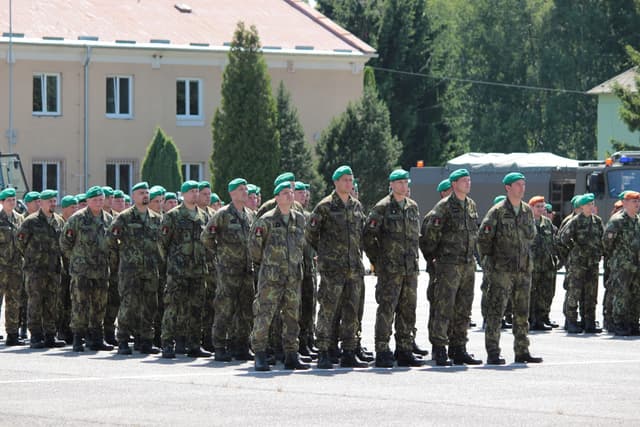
<point>609,161</point>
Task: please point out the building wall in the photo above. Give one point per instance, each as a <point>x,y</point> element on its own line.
<point>611,127</point>
<point>321,88</point>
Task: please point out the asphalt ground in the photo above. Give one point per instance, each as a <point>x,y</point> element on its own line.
<point>584,380</point>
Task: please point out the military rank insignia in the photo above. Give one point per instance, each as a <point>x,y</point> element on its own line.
<point>259,231</point>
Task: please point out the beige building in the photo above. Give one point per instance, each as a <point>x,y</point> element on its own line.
<point>92,80</point>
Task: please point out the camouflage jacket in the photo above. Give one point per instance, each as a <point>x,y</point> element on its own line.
<point>278,246</point>
<point>582,235</point>
<point>505,238</point>
<point>39,242</point>
<point>335,232</point>
<point>544,250</point>
<point>227,236</point>
<point>135,237</point>
<point>390,236</point>
<point>10,257</point>
<point>271,204</point>
<point>450,230</point>
<point>621,243</point>
<point>83,241</point>
<point>309,265</point>
<point>180,241</point>
<point>211,258</point>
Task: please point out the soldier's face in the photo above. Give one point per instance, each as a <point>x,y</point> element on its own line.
<point>215,206</point>
<point>252,201</point>
<point>240,194</point>
<point>204,196</point>
<point>445,193</point>
<point>191,196</point>
<point>69,210</point>
<point>462,185</point>
<point>516,189</point>
<point>300,196</point>
<point>33,206</point>
<point>117,205</point>
<point>141,197</point>
<point>344,184</point>
<point>631,206</point>
<point>400,187</point>
<point>9,204</point>
<point>49,206</point>
<point>538,209</point>
<point>107,202</point>
<point>285,198</point>
<point>170,204</point>
<point>96,204</point>
<point>588,209</point>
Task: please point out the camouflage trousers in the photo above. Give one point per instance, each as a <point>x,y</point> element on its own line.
<point>10,288</point>
<point>397,297</point>
<point>582,290</point>
<point>138,305</point>
<point>508,311</point>
<point>113,303</point>
<point>208,309</point>
<point>308,297</point>
<point>277,298</point>
<point>183,300</point>
<point>339,297</point>
<point>626,298</point>
<point>502,286</point>
<point>233,310</point>
<point>63,309</point>
<point>88,302</point>
<point>607,299</point>
<point>452,300</point>
<point>430,291</point>
<point>42,293</point>
<point>543,288</point>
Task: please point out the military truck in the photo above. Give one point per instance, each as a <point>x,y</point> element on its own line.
<point>554,177</point>
<point>12,174</point>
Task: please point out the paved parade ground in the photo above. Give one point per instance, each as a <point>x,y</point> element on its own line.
<point>584,380</point>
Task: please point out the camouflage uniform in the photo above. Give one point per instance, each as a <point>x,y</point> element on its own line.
<point>308,294</point>
<point>390,240</point>
<point>227,236</point>
<point>505,240</point>
<point>63,309</point>
<point>448,235</point>
<point>582,235</point>
<point>10,270</point>
<point>113,296</point>
<point>38,241</point>
<point>83,242</point>
<point>277,246</point>
<point>607,298</point>
<point>186,269</point>
<point>622,248</point>
<point>543,283</point>
<point>335,232</point>
<point>211,280</point>
<point>135,236</point>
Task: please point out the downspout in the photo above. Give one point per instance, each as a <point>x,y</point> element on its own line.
<point>85,64</point>
<point>11,60</point>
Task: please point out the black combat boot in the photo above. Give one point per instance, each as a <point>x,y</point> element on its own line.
<point>527,358</point>
<point>538,325</point>
<point>461,357</point>
<point>324,360</point>
<point>147,347</point>
<point>97,342</point>
<point>292,362</point>
<point>37,341</point>
<point>260,363</point>
<point>407,358</point>
<point>197,351</point>
<point>110,337</point>
<point>207,342</point>
<point>304,350</point>
<point>439,353</point>
<point>22,331</point>
<point>124,349</point>
<point>573,327</point>
<point>622,329</point>
<point>384,359</point>
<point>222,355</point>
<point>591,328</point>
<point>243,353</point>
<point>363,354</point>
<point>334,355</point>
<point>167,351</point>
<point>78,344</point>
<point>13,340</point>
<point>350,360</point>
<point>418,350</point>
<point>181,345</point>
<point>50,341</point>
<point>495,359</point>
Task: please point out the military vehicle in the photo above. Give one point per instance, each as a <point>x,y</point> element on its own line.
<point>12,174</point>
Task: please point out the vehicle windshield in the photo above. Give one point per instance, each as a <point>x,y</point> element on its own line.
<point>621,180</point>
<point>11,174</point>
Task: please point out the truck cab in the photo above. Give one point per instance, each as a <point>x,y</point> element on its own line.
<point>12,174</point>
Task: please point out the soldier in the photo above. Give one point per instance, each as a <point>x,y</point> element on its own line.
<point>38,241</point>
<point>226,236</point>
<point>69,206</point>
<point>545,262</point>
<point>113,297</point>
<point>10,265</point>
<point>156,198</point>
<point>208,309</point>
<point>505,238</point>
<point>582,236</point>
<point>186,269</point>
<point>32,202</point>
<point>448,236</point>
<point>390,240</point>
<point>134,234</point>
<point>215,202</point>
<point>83,242</point>
<point>335,232</point>
<point>252,201</point>
<point>276,243</point>
<point>82,200</point>
<point>622,245</point>
<point>607,299</point>
<point>118,205</point>
<point>170,201</point>
<point>127,201</point>
<point>108,199</point>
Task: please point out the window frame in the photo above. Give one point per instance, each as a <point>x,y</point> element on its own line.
<point>189,119</point>
<point>43,94</point>
<point>117,163</point>
<point>185,167</point>
<point>44,182</point>
<point>116,94</point>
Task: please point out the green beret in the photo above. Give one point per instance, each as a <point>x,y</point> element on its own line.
<point>498,199</point>
<point>575,199</point>
<point>307,186</point>
<point>457,174</point>
<point>7,192</point>
<point>548,207</point>
<point>300,186</point>
<point>48,194</point>
<point>512,177</point>
<point>444,185</point>
<point>31,196</point>
<point>170,196</point>
<point>94,191</point>
<point>108,191</point>
<point>252,189</point>
<point>584,199</point>
<point>127,199</point>
<point>144,185</point>
<point>258,190</point>
<point>82,197</point>
<point>188,186</point>
<point>156,191</point>
<point>287,176</point>
<point>118,194</point>
<point>235,183</point>
<point>398,174</point>
<point>68,201</point>
<point>281,186</point>
<point>204,184</point>
<point>342,170</point>
<point>621,195</point>
<point>214,198</point>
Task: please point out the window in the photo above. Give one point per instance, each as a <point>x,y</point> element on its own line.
<point>45,175</point>
<point>46,94</point>
<point>119,95</point>
<point>192,171</point>
<point>120,175</point>
<point>188,99</point>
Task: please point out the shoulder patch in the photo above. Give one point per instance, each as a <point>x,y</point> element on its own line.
<point>373,223</point>
<point>486,229</point>
<point>21,236</point>
<point>436,221</point>
<point>69,233</point>
<point>212,229</point>
<point>259,231</point>
<point>165,230</point>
